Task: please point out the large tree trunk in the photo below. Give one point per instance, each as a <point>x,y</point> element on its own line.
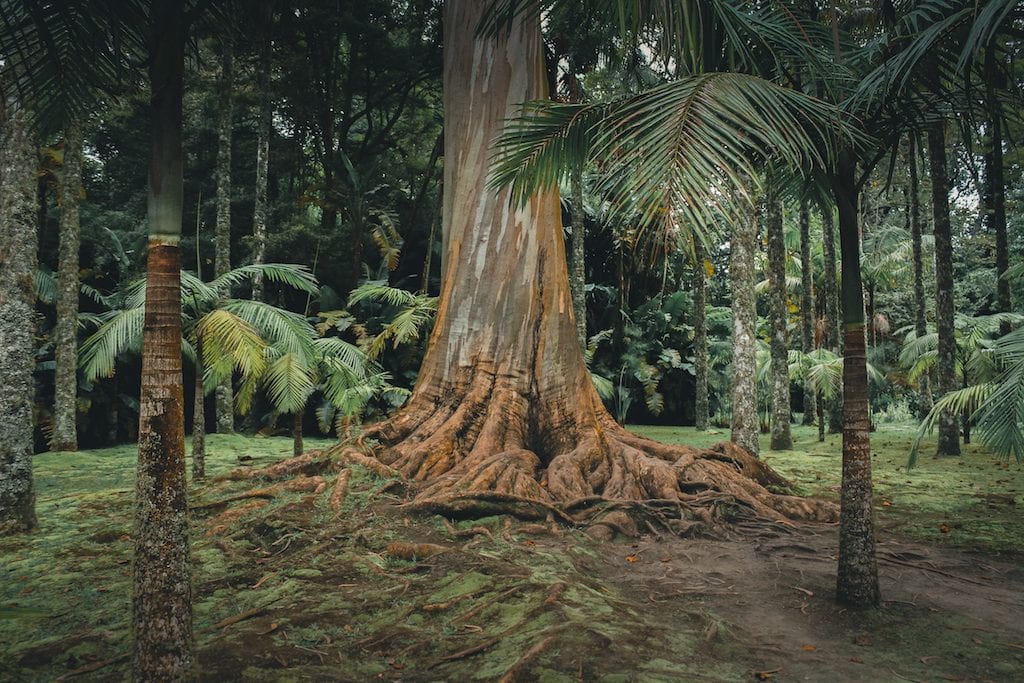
<point>264,122</point>
<point>743,246</point>
<point>225,409</point>
<point>949,431</point>
<point>857,578</point>
<point>833,339</point>
<point>700,337</point>
<point>782,438</point>
<point>807,307</point>
<point>578,275</point>
<point>65,403</point>
<point>503,403</point>
<point>161,595</point>
<point>18,247</point>
<point>924,390</point>
<point>995,184</point>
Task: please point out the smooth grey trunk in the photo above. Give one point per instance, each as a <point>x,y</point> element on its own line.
<point>833,338</point>
<point>924,390</point>
<point>65,391</point>
<point>264,122</point>
<point>577,271</point>
<point>995,183</point>
<point>949,433</point>
<point>744,333</point>
<point>700,338</point>
<point>18,249</point>
<point>807,307</point>
<point>225,410</point>
<point>781,435</point>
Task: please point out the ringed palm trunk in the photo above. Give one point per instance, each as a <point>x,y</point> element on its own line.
<point>833,338</point>
<point>782,438</point>
<point>700,338</point>
<point>65,408</point>
<point>503,402</point>
<point>297,440</point>
<point>920,321</point>
<point>807,307</point>
<point>161,594</point>
<point>949,434</point>
<point>18,249</point>
<point>222,253</point>
<point>857,576</point>
<point>744,333</point>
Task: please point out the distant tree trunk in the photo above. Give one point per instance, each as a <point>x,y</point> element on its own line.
<point>744,334</point>
<point>700,337</point>
<point>297,442</point>
<point>577,275</point>
<point>18,248</point>
<point>225,409</point>
<point>161,571</point>
<point>857,576</point>
<point>782,438</point>
<point>264,122</point>
<point>949,431</point>
<point>833,339</point>
<point>65,409</point>
<point>807,307</point>
<point>995,183</point>
<point>920,322</point>
<point>199,421</point>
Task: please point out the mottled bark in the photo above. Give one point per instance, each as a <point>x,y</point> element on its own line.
<point>18,247</point>
<point>807,307</point>
<point>225,410</point>
<point>743,246</point>
<point>700,338</point>
<point>65,399</point>
<point>264,121</point>
<point>503,402</point>
<point>949,432</point>
<point>161,585</point>
<point>924,391</point>
<point>833,339</point>
<point>577,274</point>
<point>781,436</point>
<point>857,576</point>
<point>995,183</point>
<point>198,420</point>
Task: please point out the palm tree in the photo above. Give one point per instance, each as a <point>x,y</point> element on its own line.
<point>222,252</point>
<point>781,438</point>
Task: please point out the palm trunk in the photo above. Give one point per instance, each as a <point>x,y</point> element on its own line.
<point>264,123</point>
<point>807,307</point>
<point>198,420</point>
<point>297,442</point>
<point>700,338</point>
<point>995,184</point>
<point>833,339</point>
<point>222,254</point>
<point>744,334</point>
<point>65,408</point>
<point>577,275</point>
<point>920,323</point>
<point>18,253</point>
<point>949,432</point>
<point>161,595</point>
<point>857,577</point>
<point>782,438</point>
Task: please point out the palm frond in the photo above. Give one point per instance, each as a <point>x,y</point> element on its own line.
<point>229,344</point>
<point>287,331</point>
<point>121,332</point>
<point>294,275</point>
<point>288,382</point>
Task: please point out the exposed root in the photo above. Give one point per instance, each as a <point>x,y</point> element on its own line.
<point>513,673</point>
<point>312,463</point>
<point>225,520</point>
<point>339,492</point>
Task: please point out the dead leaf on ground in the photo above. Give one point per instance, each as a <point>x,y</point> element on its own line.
<point>809,648</point>
<point>632,558</point>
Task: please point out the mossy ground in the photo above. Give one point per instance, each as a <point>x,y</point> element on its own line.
<point>323,599</point>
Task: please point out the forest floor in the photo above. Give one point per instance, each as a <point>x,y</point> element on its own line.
<point>291,591</point>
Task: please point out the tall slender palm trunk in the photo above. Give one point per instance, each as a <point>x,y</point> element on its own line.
<point>18,253</point>
<point>222,253</point>
<point>995,183</point>
<point>65,403</point>
<point>833,338</point>
<point>924,391</point>
<point>807,307</point>
<point>264,122</point>
<point>700,337</point>
<point>744,334</point>
<point>949,436</point>
<point>161,590</point>
<point>782,438</point>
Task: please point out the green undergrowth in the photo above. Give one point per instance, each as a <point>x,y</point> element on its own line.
<point>970,502</point>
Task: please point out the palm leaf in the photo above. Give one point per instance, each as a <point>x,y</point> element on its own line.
<point>296,276</point>
<point>120,332</point>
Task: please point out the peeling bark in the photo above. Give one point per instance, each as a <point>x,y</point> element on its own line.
<point>744,333</point>
<point>924,390</point>
<point>18,247</point>
<point>807,307</point>
<point>782,438</point>
<point>700,338</point>
<point>225,408</point>
<point>504,405</point>
<point>65,408</point>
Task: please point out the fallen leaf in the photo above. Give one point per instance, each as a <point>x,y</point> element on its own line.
<point>945,528</point>
<point>809,648</point>
<point>886,504</point>
<point>766,675</point>
<point>632,558</point>
<point>862,640</point>
<point>530,542</point>
<point>856,660</point>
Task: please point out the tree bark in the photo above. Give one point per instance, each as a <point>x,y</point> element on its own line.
<point>18,249</point>
<point>161,590</point>
<point>782,438</point>
<point>833,338</point>
<point>744,334</point>
<point>65,408</point>
<point>264,122</point>
<point>807,307</point>
<point>225,409</point>
<point>995,183</point>
<point>700,338</point>
<point>949,430</point>
<point>920,322</point>
<point>578,275</point>
<point>857,576</point>
<point>297,441</point>
<point>503,402</point>
<point>198,420</point>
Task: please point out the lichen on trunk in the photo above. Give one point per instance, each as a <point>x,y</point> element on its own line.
<point>744,334</point>
<point>225,409</point>
<point>782,438</point>
<point>807,307</point>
